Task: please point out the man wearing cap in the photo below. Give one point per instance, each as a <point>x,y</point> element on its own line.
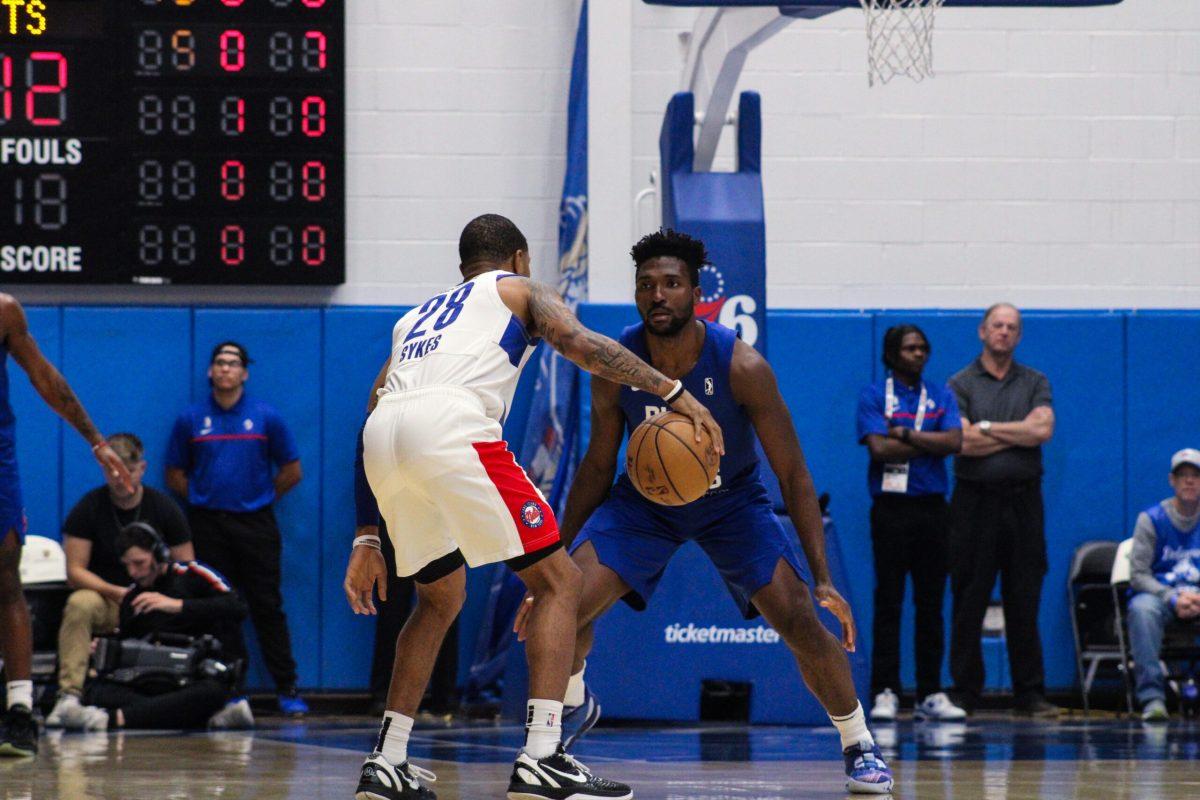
<point>220,458</point>
<point>1164,574</point>
<point>996,515</point>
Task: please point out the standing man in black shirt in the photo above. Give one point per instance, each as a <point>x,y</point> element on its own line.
<point>94,568</point>
<point>997,523</point>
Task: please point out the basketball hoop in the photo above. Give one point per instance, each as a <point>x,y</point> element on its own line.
<point>899,38</point>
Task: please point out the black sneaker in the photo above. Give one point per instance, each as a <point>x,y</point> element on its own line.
<point>19,733</point>
<point>382,781</point>
<point>560,777</point>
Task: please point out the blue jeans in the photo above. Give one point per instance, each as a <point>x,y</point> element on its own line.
<point>1148,618</point>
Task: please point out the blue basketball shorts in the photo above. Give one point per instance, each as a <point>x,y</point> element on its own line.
<point>738,530</point>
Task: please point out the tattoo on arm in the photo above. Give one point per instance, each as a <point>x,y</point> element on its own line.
<point>62,399</point>
<point>592,351</point>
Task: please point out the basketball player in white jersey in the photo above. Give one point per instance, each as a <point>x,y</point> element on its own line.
<point>451,494</point>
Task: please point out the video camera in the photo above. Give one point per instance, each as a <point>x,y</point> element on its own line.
<point>162,662</point>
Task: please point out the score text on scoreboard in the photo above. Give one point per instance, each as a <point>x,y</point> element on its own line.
<point>172,141</point>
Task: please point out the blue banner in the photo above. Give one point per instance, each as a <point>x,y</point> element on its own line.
<point>549,452</point>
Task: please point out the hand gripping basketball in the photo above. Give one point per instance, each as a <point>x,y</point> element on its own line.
<point>702,420</point>
<point>671,461</point>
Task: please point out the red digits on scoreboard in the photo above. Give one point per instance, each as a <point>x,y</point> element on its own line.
<point>314,3</point>
<point>232,3</point>
<point>316,56</point>
<point>233,245</point>
<point>56,90</point>
<point>233,51</point>
<point>6,87</point>
<point>312,116</point>
<point>312,245</point>
<point>233,180</point>
<point>312,177</point>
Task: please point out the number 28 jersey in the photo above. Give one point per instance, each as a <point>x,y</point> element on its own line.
<point>465,336</point>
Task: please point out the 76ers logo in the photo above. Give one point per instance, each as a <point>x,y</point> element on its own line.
<point>531,515</point>
<point>733,312</point>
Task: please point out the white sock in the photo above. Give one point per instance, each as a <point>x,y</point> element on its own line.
<point>20,693</point>
<point>393,737</point>
<point>543,727</point>
<point>575,693</point>
<point>853,727</point>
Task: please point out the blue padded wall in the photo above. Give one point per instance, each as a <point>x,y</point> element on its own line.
<point>1123,402</point>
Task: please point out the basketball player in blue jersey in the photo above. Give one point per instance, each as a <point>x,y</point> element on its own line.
<point>622,542</point>
<point>18,731</point>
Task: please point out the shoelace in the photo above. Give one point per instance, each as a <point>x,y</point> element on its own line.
<point>421,772</point>
<point>574,763</point>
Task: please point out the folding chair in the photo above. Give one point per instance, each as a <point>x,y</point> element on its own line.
<point>1092,605</point>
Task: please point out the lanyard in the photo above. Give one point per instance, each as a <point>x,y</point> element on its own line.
<point>893,403</point>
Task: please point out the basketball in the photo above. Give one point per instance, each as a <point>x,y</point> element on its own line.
<point>667,464</point>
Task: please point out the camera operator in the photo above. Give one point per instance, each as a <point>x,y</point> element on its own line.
<point>168,597</point>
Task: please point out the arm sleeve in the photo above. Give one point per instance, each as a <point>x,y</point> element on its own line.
<point>951,420</point>
<point>870,418</point>
<point>179,445</point>
<point>1141,558</point>
<point>173,524</point>
<point>366,510</point>
<point>964,405</point>
<point>79,521</point>
<point>280,440</point>
<point>1042,395</point>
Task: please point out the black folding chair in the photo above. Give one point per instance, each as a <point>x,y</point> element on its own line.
<point>1095,617</point>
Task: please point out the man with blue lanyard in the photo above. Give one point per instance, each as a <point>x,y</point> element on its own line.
<point>220,457</point>
<point>909,426</point>
<point>1164,572</point>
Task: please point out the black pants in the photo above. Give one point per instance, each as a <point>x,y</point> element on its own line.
<point>997,528</point>
<point>908,535</point>
<point>189,707</point>
<point>441,696</point>
<point>246,549</point>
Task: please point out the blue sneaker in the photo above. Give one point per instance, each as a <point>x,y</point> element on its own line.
<point>292,704</point>
<point>866,772</point>
<point>578,720</point>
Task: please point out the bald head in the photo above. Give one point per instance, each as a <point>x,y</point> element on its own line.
<point>1000,329</point>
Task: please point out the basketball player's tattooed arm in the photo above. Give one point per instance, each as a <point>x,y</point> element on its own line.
<point>594,477</point>
<point>542,310</point>
<point>53,387</point>
<point>755,389</point>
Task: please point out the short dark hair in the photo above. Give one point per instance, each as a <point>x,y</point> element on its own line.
<point>128,446</point>
<point>234,346</point>
<point>489,237</point>
<point>894,337</point>
<point>140,534</point>
<point>672,244</point>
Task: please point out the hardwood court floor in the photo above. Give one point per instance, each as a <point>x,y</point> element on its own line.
<point>989,758</point>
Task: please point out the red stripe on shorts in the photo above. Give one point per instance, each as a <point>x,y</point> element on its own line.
<point>535,522</point>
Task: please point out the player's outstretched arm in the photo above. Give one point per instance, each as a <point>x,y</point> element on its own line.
<point>541,309</point>
<point>53,387</point>
<point>755,389</point>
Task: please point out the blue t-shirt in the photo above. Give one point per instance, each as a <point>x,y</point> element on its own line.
<point>227,454</point>
<point>926,473</point>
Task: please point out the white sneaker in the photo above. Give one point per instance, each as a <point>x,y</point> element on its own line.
<point>63,706</point>
<point>938,707</point>
<point>85,718</point>
<point>886,706</point>
<point>235,716</point>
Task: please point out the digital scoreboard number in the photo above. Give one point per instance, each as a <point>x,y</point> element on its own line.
<point>172,141</point>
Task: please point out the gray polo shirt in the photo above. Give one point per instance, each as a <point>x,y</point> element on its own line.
<point>981,396</point>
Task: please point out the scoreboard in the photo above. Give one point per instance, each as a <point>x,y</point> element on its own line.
<point>172,141</point>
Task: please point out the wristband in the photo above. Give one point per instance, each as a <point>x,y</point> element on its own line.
<point>99,444</point>
<point>674,394</point>
<point>368,540</point>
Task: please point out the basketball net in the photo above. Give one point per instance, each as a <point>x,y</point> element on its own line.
<point>899,38</point>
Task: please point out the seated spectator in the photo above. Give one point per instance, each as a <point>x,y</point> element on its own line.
<point>1165,578</point>
<point>168,597</point>
<point>94,567</point>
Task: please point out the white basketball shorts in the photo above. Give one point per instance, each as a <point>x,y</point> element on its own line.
<point>445,480</point>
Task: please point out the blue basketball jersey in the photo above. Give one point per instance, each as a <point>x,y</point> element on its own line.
<point>708,381</point>
<point>6,412</point>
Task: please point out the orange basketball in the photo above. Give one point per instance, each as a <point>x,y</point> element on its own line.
<point>667,464</point>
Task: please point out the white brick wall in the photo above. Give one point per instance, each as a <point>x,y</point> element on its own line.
<point>1054,160</point>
